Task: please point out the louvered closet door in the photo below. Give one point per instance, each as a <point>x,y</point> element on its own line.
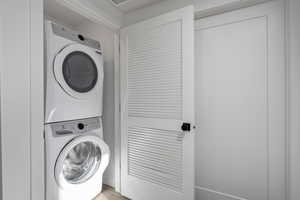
<point>157,95</point>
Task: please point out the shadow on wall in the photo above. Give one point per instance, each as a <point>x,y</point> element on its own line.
<point>106,38</point>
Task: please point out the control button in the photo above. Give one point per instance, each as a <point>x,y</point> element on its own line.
<point>80,126</point>
<point>80,37</point>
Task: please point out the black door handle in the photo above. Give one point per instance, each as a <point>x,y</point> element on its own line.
<point>186,126</point>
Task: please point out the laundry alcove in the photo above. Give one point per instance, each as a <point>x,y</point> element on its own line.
<point>240,116</point>
<point>138,113</point>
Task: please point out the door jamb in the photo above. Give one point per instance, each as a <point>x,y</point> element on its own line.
<point>117,112</point>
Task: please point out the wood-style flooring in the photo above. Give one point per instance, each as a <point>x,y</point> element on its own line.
<point>108,193</point>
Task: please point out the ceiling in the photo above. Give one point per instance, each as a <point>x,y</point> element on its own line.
<point>124,7</point>
<point>105,12</point>
<point>131,5</point>
<point>57,10</point>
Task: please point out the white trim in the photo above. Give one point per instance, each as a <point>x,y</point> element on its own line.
<point>293,74</point>
<point>95,16</point>
<point>37,99</point>
<point>117,113</point>
<point>287,63</point>
<point>215,9</point>
<point>120,4</point>
<point>202,8</point>
<point>1,67</point>
<point>218,194</point>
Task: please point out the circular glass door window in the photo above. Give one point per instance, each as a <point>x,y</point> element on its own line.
<point>80,71</point>
<point>81,163</point>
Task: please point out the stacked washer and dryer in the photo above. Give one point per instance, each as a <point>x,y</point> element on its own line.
<point>76,155</point>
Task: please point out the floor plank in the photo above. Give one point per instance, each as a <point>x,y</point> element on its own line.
<point>108,193</point>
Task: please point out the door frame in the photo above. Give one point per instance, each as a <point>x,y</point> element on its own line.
<point>37,99</point>
<point>276,9</point>
<point>293,96</point>
<point>117,117</point>
<point>26,93</point>
<point>199,13</point>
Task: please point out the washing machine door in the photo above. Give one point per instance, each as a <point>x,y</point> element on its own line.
<point>78,70</point>
<point>80,161</point>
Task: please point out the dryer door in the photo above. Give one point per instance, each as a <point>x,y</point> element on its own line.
<point>78,70</point>
<point>80,160</point>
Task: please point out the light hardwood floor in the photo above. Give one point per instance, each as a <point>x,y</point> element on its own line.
<point>108,193</point>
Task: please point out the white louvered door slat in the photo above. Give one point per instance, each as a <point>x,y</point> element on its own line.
<point>157,96</point>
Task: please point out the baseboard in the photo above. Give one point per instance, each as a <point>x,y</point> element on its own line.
<point>108,181</point>
<point>202,193</point>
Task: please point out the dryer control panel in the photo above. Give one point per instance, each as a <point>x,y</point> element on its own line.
<point>64,32</point>
<point>76,126</point>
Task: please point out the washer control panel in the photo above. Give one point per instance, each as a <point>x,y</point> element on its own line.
<point>76,126</point>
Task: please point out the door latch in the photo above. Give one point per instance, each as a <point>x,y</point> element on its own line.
<point>186,127</point>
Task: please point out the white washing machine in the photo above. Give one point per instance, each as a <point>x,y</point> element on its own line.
<point>76,157</point>
<point>74,75</point>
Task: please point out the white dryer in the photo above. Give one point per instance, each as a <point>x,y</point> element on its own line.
<point>76,157</point>
<point>74,75</point>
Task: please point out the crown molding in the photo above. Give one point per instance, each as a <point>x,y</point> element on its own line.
<point>213,8</point>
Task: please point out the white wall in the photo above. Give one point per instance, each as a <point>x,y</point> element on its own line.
<point>294,97</point>
<point>106,38</point>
